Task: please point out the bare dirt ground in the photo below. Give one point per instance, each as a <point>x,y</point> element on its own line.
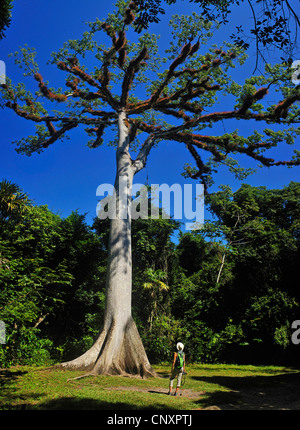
<point>157,390</point>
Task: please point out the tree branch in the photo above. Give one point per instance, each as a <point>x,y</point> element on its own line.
<point>103,91</point>
<point>141,159</point>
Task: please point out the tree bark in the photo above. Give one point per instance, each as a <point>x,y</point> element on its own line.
<point>118,349</point>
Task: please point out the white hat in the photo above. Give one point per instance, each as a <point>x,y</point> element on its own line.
<point>179,346</point>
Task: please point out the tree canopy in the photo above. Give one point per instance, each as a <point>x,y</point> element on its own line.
<point>272,21</point>
<point>173,102</point>
<point>5,15</point>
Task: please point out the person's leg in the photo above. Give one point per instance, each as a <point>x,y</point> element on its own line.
<point>173,375</point>
<point>179,377</point>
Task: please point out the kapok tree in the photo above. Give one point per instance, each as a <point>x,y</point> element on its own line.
<point>142,97</point>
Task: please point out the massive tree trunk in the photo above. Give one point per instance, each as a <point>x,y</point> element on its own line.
<point>118,349</point>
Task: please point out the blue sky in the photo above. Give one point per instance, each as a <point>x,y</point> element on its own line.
<point>67,174</point>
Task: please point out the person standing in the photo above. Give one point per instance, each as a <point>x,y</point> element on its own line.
<point>178,367</point>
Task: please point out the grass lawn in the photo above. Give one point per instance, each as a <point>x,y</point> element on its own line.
<point>206,386</point>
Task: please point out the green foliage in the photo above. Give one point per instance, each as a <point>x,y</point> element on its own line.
<point>227,291</point>
<point>45,295</point>
<point>31,284</point>
<point>13,201</point>
<point>272,23</point>
<point>5,15</point>
<point>260,227</point>
<point>161,340</point>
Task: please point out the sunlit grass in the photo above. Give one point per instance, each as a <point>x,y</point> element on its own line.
<point>205,385</point>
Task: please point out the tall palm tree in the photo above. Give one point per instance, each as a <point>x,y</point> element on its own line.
<point>12,199</point>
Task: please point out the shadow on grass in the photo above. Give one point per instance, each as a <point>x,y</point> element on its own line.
<point>253,392</point>
<point>7,376</point>
<point>163,373</point>
<point>86,404</point>
<point>73,403</point>
<point>7,384</point>
<point>10,399</point>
